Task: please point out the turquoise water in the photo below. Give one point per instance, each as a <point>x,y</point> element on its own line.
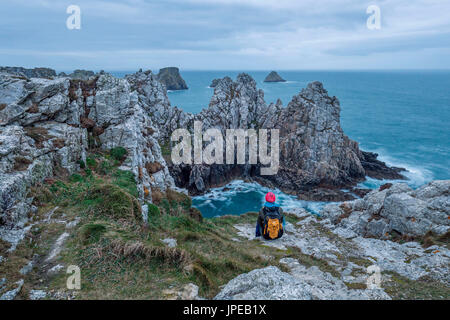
<point>404,116</point>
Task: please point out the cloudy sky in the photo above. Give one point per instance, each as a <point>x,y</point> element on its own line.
<point>226,34</point>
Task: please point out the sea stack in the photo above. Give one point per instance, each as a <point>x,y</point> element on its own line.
<point>274,77</point>
<point>171,78</point>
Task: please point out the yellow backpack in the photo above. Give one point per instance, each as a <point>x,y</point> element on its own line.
<point>273,226</point>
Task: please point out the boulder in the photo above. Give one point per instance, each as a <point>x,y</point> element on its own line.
<point>46,73</point>
<point>274,77</point>
<point>397,208</point>
<point>172,79</point>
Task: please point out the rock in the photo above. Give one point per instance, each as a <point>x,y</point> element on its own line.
<point>55,269</point>
<point>274,77</point>
<point>37,294</point>
<point>188,292</point>
<point>30,73</point>
<point>57,247</point>
<point>11,295</point>
<point>214,83</point>
<point>82,74</point>
<point>27,268</point>
<point>45,125</point>
<point>171,243</point>
<point>264,284</point>
<point>397,208</point>
<point>378,169</point>
<point>309,130</point>
<point>271,283</point>
<point>171,78</point>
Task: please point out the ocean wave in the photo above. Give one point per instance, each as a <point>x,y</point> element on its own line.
<point>247,196</point>
<point>417,175</point>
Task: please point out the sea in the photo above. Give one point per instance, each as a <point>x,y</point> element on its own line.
<point>404,116</point>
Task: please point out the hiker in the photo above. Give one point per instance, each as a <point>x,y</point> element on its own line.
<point>270,222</point>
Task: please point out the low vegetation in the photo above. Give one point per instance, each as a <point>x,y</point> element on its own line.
<point>120,255</point>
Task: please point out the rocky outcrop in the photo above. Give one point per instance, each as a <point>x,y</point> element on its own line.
<point>81,74</point>
<point>324,264</point>
<point>214,83</point>
<point>274,77</point>
<point>302,284</point>
<point>316,157</point>
<point>171,78</point>
<point>47,126</point>
<point>395,208</point>
<point>46,73</point>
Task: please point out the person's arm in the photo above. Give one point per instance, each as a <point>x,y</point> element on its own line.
<point>261,217</point>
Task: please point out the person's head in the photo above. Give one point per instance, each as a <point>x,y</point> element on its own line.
<point>270,197</point>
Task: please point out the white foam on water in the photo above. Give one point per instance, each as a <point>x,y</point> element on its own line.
<point>226,194</point>
<point>417,175</point>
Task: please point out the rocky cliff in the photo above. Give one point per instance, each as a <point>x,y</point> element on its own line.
<point>46,127</point>
<point>30,73</point>
<point>316,157</point>
<point>274,77</point>
<point>172,79</point>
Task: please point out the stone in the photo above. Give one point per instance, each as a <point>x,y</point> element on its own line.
<point>171,243</point>
<point>171,78</point>
<point>274,77</point>
<point>37,294</point>
<point>271,283</point>
<point>11,295</point>
<point>30,73</point>
<point>397,208</point>
<point>188,292</point>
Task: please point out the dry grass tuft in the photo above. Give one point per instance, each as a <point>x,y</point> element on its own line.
<point>139,251</point>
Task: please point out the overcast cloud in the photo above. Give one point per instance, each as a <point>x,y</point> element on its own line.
<point>226,34</point>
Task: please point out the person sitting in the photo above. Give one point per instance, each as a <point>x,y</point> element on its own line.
<point>270,223</point>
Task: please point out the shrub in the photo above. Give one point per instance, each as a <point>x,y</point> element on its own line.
<point>76,178</point>
<point>109,200</point>
<point>82,164</point>
<point>153,210</point>
<point>91,163</point>
<point>105,167</point>
<point>125,180</point>
<point>118,153</point>
<point>91,232</point>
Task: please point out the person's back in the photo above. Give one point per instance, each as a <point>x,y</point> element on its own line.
<point>270,222</point>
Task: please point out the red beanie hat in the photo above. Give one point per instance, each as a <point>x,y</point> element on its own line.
<point>270,197</point>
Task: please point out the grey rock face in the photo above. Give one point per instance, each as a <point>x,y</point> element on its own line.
<point>80,74</point>
<point>171,78</point>
<point>37,294</point>
<point>301,283</point>
<point>30,73</point>
<point>44,128</point>
<point>313,148</point>
<point>398,208</point>
<point>10,295</point>
<point>274,77</point>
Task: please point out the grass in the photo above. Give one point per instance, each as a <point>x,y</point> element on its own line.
<point>424,288</point>
<point>122,257</point>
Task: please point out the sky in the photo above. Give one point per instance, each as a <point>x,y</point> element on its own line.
<point>226,34</point>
